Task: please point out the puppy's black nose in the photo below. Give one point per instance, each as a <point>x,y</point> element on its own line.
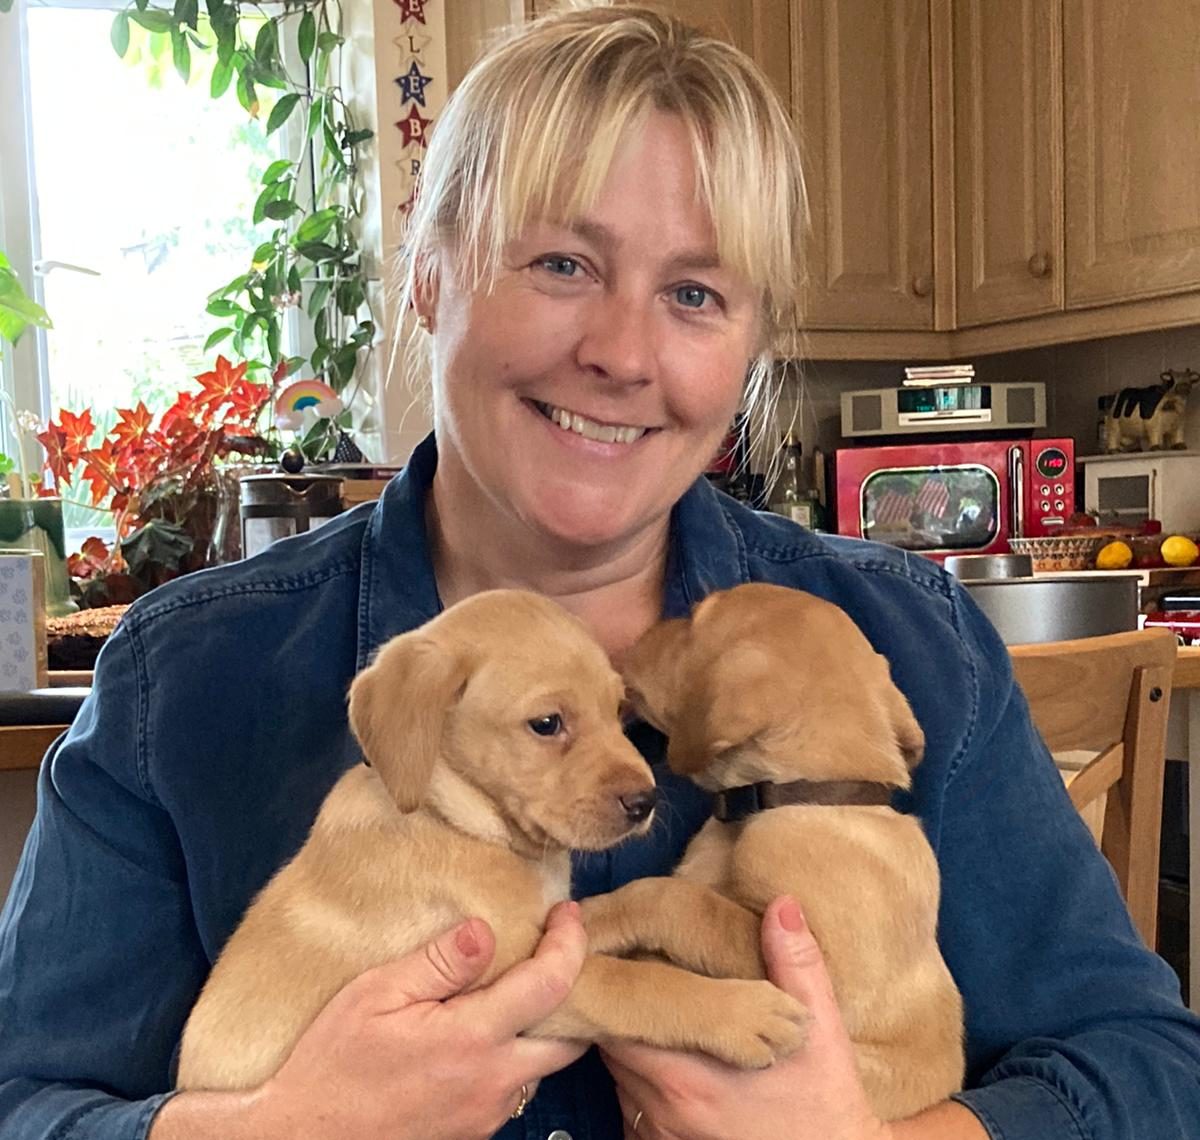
<point>639,805</point>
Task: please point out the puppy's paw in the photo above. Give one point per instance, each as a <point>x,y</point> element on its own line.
<point>761,1025</point>
<point>607,930</point>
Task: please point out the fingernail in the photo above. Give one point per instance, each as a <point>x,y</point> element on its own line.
<point>790,917</point>
<point>466,941</point>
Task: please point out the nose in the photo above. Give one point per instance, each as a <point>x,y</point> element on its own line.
<point>618,342</point>
<point>639,805</point>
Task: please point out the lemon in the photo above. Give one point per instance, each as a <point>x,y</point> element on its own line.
<point>1179,551</point>
<point>1114,556</point>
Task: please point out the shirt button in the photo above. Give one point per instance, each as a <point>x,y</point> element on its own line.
<point>559,1134</point>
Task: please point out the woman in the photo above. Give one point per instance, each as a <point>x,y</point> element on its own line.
<point>605,246</point>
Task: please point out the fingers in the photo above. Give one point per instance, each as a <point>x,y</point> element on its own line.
<point>532,990</point>
<point>437,971</point>
<point>534,1058</point>
<point>794,960</point>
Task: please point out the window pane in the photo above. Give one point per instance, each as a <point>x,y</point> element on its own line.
<point>151,183</point>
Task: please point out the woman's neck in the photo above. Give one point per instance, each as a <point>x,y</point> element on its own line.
<point>615,590</point>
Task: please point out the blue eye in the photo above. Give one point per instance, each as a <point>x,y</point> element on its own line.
<point>558,265</point>
<point>550,725</point>
<point>692,296</point>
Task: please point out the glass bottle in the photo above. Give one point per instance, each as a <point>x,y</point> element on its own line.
<point>793,495</point>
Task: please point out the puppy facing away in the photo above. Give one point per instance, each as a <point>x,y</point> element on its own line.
<point>494,746</point>
<point>770,696</point>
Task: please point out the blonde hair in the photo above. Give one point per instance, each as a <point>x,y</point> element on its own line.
<point>532,130</point>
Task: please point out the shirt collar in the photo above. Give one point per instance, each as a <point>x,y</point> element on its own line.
<point>398,591</point>
<point>397,588</point>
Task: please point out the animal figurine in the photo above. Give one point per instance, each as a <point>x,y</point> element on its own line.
<point>1150,418</point>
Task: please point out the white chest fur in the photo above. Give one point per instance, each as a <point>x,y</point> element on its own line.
<point>556,879</point>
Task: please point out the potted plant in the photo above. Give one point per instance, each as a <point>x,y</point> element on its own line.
<point>30,519</point>
<point>159,476</point>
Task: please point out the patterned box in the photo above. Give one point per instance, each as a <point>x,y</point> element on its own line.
<point>22,621</point>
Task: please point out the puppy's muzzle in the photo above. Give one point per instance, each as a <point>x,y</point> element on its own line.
<point>638,806</point>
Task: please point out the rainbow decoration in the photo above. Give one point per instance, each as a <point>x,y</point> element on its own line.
<point>304,394</point>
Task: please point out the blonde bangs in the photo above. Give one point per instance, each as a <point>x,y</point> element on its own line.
<point>532,130</point>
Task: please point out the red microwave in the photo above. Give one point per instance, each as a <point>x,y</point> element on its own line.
<point>955,498</point>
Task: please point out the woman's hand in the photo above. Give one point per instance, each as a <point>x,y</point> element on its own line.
<point>401,1052</point>
<point>813,1095</point>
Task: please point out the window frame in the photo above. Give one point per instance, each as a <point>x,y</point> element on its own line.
<point>25,371</point>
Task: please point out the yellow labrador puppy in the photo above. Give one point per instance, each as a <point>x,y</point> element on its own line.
<point>493,746</point>
<point>775,701</point>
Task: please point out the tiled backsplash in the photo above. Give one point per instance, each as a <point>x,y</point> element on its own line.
<point>1075,375</point>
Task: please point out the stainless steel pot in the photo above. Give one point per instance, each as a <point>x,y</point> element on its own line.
<point>964,566</point>
<point>1058,607</point>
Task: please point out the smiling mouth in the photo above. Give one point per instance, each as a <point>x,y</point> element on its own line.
<point>589,429</point>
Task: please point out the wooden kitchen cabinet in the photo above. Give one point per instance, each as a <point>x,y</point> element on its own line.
<point>983,175</point>
<point>1132,130</point>
<point>1008,163</point>
<point>862,102</point>
<point>758,27</point>
<point>1073,131</point>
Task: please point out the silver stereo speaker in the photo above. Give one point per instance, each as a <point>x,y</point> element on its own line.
<point>926,410</point>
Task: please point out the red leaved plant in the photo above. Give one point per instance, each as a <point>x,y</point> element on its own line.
<point>159,480</point>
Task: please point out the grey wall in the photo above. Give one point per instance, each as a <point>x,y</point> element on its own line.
<point>1075,375</point>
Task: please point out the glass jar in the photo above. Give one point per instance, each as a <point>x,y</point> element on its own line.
<point>37,524</point>
<point>277,506</point>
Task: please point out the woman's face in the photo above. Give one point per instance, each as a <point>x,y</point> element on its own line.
<point>583,394</point>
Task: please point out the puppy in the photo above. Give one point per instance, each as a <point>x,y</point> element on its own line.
<point>494,746</point>
<point>764,686</point>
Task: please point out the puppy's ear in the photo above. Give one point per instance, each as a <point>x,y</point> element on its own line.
<point>719,710</point>
<point>651,671</point>
<point>397,709</point>
<point>908,732</point>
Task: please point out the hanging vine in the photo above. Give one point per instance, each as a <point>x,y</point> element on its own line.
<point>313,260</point>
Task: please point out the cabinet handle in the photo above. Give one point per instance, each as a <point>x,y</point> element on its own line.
<point>922,285</point>
<point>1039,265</point>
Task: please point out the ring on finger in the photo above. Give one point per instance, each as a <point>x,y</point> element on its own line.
<point>521,1104</point>
<point>637,1120</point>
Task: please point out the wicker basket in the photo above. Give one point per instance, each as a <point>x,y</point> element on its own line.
<point>1059,552</point>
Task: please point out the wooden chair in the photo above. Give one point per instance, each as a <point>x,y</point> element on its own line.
<point>1109,696</point>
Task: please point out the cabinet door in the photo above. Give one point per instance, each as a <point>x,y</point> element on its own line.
<point>758,27</point>
<point>1008,159</point>
<point>1132,106</point>
<point>863,113</point>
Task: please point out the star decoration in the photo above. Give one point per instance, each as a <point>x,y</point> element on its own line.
<point>412,10</point>
<point>412,85</point>
<point>410,44</point>
<point>412,127</point>
<point>410,200</point>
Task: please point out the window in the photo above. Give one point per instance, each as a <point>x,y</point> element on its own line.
<point>126,198</point>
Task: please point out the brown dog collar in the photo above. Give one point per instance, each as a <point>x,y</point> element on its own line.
<point>735,804</point>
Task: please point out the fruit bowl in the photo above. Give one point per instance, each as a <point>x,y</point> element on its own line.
<point>1059,552</point>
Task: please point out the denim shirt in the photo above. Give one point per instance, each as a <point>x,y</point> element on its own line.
<point>217,723</point>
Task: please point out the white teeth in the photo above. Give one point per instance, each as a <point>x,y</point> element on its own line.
<point>602,433</point>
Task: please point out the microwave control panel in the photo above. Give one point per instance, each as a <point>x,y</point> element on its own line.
<point>1052,487</point>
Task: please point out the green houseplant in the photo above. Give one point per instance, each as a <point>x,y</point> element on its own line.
<point>29,519</point>
<point>313,260</point>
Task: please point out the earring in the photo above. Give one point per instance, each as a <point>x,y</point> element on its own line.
<point>425,322</point>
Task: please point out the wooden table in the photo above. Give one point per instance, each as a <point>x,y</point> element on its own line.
<point>22,746</point>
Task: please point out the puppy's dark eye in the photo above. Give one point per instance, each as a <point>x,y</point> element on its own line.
<point>550,725</point>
